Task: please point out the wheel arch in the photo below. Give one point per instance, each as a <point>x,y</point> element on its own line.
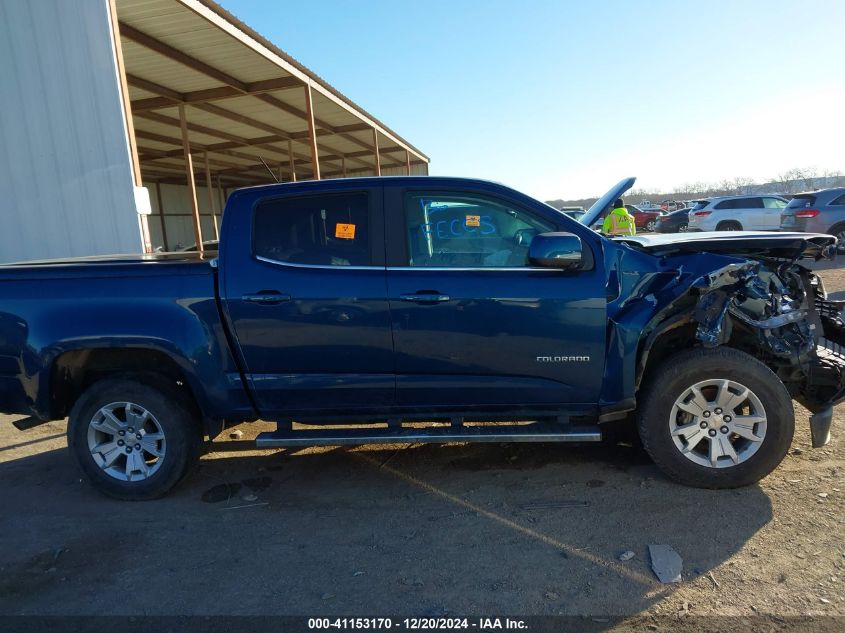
<point>72,371</point>
<point>731,222</point>
<point>665,340</point>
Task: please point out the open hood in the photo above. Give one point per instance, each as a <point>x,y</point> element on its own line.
<point>606,200</point>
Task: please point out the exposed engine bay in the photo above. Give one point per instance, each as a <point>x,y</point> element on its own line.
<point>753,294</point>
<point>780,312</point>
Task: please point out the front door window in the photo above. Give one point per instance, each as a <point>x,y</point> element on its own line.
<point>458,231</point>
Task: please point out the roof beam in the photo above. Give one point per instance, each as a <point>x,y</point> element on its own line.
<point>234,141</point>
<point>286,107</point>
<point>228,23</point>
<point>148,41</point>
<point>260,125</point>
<point>168,97</point>
<point>240,118</point>
<point>177,98</point>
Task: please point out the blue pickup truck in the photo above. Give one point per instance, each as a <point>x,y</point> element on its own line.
<point>424,309</point>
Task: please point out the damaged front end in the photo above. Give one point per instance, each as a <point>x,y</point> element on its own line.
<point>778,310</point>
<point>747,291</point>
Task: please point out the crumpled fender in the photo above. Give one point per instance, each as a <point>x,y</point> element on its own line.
<point>647,295</point>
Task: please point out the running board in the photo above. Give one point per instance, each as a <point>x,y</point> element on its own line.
<point>429,435</point>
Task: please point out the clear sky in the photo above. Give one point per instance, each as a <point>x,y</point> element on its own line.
<point>561,99</point>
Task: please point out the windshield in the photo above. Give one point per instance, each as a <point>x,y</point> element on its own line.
<point>802,201</point>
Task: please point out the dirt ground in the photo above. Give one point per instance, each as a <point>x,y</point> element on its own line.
<point>425,530</point>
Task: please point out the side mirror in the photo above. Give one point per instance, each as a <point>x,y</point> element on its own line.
<point>556,250</point>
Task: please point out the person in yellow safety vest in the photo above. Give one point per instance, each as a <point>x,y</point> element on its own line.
<point>619,221</point>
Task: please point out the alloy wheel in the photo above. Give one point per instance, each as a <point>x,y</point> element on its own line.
<point>126,441</point>
<point>718,423</point>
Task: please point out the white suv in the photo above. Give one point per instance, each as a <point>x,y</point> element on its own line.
<point>737,213</point>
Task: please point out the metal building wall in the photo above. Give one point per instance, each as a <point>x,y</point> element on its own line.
<point>66,183</point>
<point>172,217</point>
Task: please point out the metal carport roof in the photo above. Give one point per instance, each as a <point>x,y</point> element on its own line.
<point>242,100</point>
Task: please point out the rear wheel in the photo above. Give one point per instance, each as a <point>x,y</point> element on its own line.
<point>682,228</point>
<point>134,439</point>
<point>651,225</point>
<point>838,231</point>
<point>717,418</point>
<point>729,225</point>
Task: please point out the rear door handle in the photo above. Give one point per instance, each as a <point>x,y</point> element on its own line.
<point>425,296</point>
<point>266,297</point>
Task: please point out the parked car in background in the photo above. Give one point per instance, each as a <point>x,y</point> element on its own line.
<point>644,219</point>
<point>575,213</point>
<point>675,222</point>
<point>821,211</point>
<point>671,205</point>
<point>737,213</point>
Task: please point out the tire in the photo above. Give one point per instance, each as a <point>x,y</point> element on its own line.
<point>838,231</point>
<point>168,436</point>
<point>729,225</point>
<point>687,457</point>
<point>682,228</point>
<point>650,225</point>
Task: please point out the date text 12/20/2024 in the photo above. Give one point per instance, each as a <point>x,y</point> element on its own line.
<point>413,624</point>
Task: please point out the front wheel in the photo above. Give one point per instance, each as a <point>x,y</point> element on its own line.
<point>650,225</point>
<point>133,439</point>
<point>716,418</point>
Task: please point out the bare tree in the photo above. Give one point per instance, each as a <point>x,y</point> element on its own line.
<point>789,182</point>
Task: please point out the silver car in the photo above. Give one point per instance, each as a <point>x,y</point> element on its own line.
<point>820,211</point>
<point>737,213</point>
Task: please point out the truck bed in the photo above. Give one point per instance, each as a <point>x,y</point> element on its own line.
<point>164,302</point>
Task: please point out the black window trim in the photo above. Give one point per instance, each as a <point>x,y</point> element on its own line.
<point>740,199</point>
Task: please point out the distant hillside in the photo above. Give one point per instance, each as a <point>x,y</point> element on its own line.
<point>788,184</point>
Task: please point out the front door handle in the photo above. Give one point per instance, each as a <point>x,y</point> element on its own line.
<point>266,297</point>
<point>425,296</point>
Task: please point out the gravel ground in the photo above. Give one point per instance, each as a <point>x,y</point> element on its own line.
<point>427,530</point>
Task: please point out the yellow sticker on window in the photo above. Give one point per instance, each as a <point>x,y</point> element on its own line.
<point>473,220</point>
<point>345,231</point>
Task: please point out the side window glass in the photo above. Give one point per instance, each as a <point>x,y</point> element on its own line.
<point>773,203</point>
<point>725,204</point>
<point>466,231</point>
<point>840,201</point>
<point>327,230</point>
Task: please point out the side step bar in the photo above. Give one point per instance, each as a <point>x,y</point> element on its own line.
<point>537,432</point>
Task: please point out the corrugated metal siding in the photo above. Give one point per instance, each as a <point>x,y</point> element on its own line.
<point>177,218</point>
<point>65,176</point>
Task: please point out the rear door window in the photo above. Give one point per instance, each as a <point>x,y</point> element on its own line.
<point>839,202</point>
<point>318,230</point>
<point>773,203</point>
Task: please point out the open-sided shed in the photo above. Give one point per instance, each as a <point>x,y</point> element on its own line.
<point>211,105</point>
